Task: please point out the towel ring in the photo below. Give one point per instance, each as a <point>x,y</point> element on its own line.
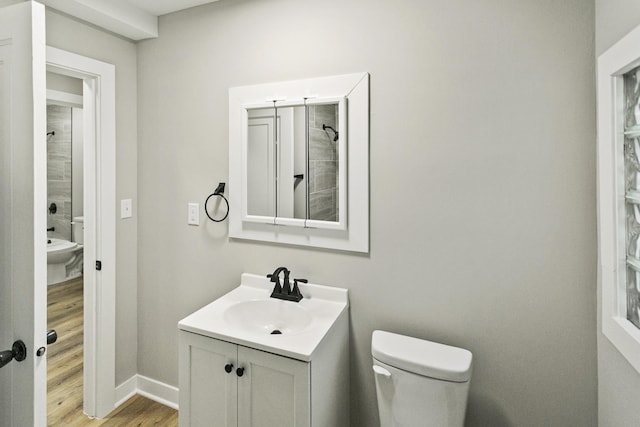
<point>218,192</point>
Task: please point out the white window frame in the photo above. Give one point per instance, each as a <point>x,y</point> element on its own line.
<point>612,65</point>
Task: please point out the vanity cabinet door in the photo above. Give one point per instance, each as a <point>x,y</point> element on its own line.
<point>274,391</point>
<point>208,393</point>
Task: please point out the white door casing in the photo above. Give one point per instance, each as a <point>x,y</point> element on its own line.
<point>100,224</point>
<point>23,190</point>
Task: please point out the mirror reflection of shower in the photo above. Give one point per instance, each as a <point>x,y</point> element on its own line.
<point>64,202</point>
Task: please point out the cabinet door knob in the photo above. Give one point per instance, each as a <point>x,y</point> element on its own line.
<point>228,368</point>
<point>240,372</point>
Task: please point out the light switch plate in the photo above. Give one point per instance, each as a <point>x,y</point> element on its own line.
<point>193,216</point>
<point>126,210</point>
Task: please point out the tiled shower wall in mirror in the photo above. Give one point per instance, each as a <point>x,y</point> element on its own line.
<point>323,163</point>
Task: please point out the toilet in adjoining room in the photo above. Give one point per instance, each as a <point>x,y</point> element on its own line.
<point>77,230</point>
<point>418,382</point>
<point>75,268</point>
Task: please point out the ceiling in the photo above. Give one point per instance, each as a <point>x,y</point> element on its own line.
<point>133,19</point>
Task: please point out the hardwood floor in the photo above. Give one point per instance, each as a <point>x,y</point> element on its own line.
<point>64,371</point>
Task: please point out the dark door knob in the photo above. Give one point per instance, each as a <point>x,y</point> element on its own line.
<point>52,336</point>
<point>18,352</point>
<point>240,372</point>
<point>228,368</point>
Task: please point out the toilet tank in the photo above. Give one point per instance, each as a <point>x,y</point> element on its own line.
<point>418,382</point>
<point>77,230</point>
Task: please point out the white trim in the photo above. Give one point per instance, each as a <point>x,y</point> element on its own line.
<point>116,16</point>
<point>65,99</point>
<point>100,224</point>
<point>126,390</point>
<point>160,392</point>
<point>620,58</point>
<point>155,390</point>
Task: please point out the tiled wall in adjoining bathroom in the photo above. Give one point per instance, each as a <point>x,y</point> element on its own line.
<point>323,163</point>
<point>59,170</point>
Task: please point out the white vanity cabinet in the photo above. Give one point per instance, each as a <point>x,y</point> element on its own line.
<point>248,360</point>
<point>208,394</point>
<point>271,390</point>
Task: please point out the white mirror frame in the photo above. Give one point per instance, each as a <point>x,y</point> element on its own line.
<point>351,231</point>
<point>619,59</point>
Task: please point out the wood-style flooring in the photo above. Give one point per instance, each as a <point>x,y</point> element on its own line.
<point>64,380</point>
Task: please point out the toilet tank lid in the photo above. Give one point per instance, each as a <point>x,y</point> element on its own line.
<point>422,357</point>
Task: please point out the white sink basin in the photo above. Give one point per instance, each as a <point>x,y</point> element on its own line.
<point>271,316</point>
<point>248,316</point>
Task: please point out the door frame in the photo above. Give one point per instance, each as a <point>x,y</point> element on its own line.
<point>99,395</point>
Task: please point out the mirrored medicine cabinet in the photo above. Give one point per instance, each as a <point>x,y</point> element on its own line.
<point>294,172</point>
<point>298,162</point>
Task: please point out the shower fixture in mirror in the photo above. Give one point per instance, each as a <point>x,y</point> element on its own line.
<point>299,162</point>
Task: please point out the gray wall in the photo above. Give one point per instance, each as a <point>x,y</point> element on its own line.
<point>73,36</point>
<point>482,185</point>
<point>618,381</point>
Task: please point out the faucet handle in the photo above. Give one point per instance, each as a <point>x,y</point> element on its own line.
<point>295,292</point>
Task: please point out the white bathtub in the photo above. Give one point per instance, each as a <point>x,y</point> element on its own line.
<point>62,256</point>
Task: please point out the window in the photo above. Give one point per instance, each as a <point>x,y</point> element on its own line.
<point>631,88</point>
<point>619,194</point>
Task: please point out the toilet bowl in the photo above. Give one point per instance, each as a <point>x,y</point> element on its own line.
<point>64,258</point>
<point>59,253</point>
<point>418,382</point>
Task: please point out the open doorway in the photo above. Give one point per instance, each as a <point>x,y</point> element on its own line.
<point>97,80</point>
<point>65,247</point>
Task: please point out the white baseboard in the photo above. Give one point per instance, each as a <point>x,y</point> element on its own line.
<point>126,390</point>
<point>155,390</point>
<point>158,391</point>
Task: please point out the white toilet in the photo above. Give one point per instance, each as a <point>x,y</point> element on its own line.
<point>419,383</point>
<point>64,258</point>
<point>77,230</point>
<point>75,268</point>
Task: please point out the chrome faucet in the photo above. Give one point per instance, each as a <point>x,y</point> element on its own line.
<point>284,290</point>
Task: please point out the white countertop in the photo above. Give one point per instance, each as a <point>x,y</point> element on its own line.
<point>324,303</point>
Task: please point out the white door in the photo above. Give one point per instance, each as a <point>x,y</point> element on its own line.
<point>22,212</point>
<point>270,165</point>
<point>261,151</point>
